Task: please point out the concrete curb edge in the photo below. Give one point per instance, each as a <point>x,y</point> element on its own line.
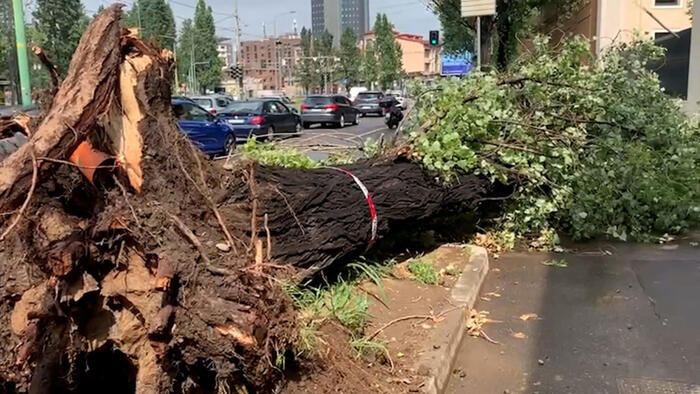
<point>438,362</point>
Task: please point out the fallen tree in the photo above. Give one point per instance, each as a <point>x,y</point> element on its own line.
<point>157,271</point>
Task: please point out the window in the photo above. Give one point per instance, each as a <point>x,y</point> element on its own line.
<point>192,112</point>
<point>220,102</point>
<point>667,3</point>
<point>204,102</point>
<point>281,108</point>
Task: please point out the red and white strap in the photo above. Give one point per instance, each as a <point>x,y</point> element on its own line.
<point>368,197</point>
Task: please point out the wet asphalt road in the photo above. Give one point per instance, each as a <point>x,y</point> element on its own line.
<point>627,323</point>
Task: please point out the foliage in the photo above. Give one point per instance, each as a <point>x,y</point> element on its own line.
<point>370,65</point>
<point>364,347</point>
<point>318,60</point>
<point>38,74</point>
<point>269,154</point>
<point>350,59</point>
<point>559,263</point>
<point>185,49</point>
<point>388,52</point>
<point>205,44</point>
<point>6,40</point>
<point>424,272</point>
<point>155,19</point>
<point>514,21</point>
<point>60,24</point>
<point>581,156</point>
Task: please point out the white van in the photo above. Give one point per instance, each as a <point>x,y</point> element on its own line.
<point>355,91</point>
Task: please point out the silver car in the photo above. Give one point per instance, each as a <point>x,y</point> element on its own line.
<point>215,104</point>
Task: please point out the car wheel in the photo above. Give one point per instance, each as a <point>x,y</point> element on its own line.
<point>357,120</point>
<point>341,122</point>
<point>298,129</point>
<point>230,144</point>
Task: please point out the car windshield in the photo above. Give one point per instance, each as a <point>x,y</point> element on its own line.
<point>204,102</point>
<point>317,100</point>
<point>369,96</point>
<point>245,107</point>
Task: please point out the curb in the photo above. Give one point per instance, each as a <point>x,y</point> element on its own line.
<point>438,361</point>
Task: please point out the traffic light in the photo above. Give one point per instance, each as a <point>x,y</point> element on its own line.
<point>434,38</point>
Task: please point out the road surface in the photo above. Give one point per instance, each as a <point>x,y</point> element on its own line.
<point>318,142</point>
<point>620,318</point>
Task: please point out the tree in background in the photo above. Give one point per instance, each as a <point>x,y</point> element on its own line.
<point>208,75</point>
<point>350,58</point>
<point>185,50</point>
<point>389,53</point>
<point>60,24</point>
<point>370,65</point>
<point>156,20</point>
<point>306,66</point>
<point>514,19</point>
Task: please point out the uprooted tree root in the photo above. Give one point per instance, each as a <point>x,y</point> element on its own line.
<point>158,276</point>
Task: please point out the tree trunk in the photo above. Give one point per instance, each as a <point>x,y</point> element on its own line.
<point>160,282</point>
<point>82,99</point>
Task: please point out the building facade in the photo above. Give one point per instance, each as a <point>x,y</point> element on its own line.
<point>419,58</point>
<point>337,15</point>
<point>271,62</point>
<point>607,21</point>
<point>224,47</point>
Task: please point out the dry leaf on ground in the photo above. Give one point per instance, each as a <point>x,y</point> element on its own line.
<point>529,316</point>
<point>519,335</point>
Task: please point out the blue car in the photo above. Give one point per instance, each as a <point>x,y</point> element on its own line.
<point>261,118</point>
<point>210,134</point>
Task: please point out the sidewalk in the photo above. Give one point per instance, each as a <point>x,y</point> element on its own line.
<point>623,323</point>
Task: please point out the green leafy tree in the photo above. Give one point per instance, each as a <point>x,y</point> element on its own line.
<point>389,52</point>
<point>60,24</point>
<point>514,19</point>
<point>209,73</point>
<point>350,58</point>
<point>185,50</point>
<point>578,156</point>
<point>306,67</point>
<point>155,19</point>
<point>370,65</point>
<point>38,74</point>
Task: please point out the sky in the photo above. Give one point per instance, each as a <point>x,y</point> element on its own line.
<point>409,16</point>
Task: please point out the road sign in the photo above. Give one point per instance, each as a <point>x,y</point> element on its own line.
<point>478,8</point>
<point>456,65</point>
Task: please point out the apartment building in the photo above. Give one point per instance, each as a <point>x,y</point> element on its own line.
<point>271,61</point>
<point>608,21</point>
<point>419,58</point>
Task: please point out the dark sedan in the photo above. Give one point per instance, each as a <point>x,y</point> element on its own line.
<point>261,118</point>
<point>368,103</point>
<point>336,110</point>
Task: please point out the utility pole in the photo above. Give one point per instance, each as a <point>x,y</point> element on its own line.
<point>239,52</point>
<point>22,60</point>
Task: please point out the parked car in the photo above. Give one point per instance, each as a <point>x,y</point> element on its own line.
<point>368,103</point>
<point>284,99</point>
<point>335,109</point>
<point>261,118</point>
<point>215,104</point>
<point>210,134</point>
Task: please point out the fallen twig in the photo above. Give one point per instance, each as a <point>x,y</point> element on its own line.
<point>35,176</point>
<point>198,245</point>
<point>434,318</point>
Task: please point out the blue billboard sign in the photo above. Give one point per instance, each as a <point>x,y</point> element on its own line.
<point>456,65</point>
